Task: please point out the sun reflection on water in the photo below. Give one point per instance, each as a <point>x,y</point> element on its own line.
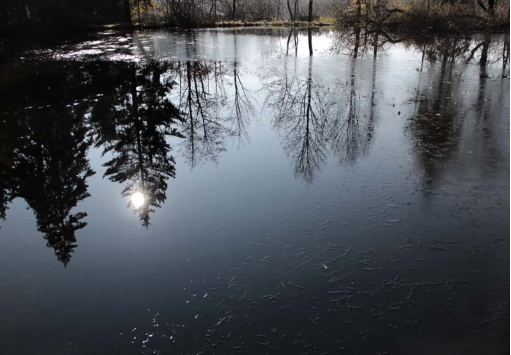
<point>138,199</point>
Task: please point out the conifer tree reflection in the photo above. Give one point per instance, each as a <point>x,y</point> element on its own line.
<point>43,156</point>
<point>134,126</point>
<point>50,170</point>
<point>8,132</point>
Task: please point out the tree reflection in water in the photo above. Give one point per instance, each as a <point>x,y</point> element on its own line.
<point>44,155</point>
<point>133,112</point>
<point>133,123</point>
<point>301,119</point>
<point>441,109</point>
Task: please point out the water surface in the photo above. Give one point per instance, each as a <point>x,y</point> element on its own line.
<point>225,191</point>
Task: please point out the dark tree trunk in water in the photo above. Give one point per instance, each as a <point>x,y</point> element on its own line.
<point>311,4</point>
<point>233,9</point>
<point>288,41</point>
<point>505,56</point>
<point>126,9</point>
<point>311,52</point>
<point>484,53</point>
<point>375,46</point>
<point>357,41</point>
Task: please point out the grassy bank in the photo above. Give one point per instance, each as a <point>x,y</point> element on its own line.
<point>222,24</point>
<point>322,22</point>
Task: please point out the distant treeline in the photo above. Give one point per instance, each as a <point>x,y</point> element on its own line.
<point>423,15</point>
<point>72,13</point>
<point>209,11</point>
<point>62,13</point>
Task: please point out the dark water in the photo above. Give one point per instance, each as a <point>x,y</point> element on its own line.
<point>351,202</point>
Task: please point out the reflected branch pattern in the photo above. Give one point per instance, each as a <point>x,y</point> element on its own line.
<point>141,117</point>
<point>137,113</point>
<point>301,119</point>
<point>351,130</point>
<point>44,161</point>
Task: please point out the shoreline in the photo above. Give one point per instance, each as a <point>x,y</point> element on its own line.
<point>14,33</point>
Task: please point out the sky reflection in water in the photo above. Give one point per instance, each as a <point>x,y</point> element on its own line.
<point>282,201</point>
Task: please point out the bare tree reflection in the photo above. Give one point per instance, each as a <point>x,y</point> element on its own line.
<point>241,106</point>
<point>204,132</point>
<point>351,130</point>
<point>301,119</point>
<point>212,112</point>
<point>358,41</point>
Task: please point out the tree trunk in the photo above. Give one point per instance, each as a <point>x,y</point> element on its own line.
<point>311,4</point>
<point>126,12</point>
<point>290,11</point>
<point>491,7</point>
<point>233,10</point>
<point>21,13</point>
<point>138,10</point>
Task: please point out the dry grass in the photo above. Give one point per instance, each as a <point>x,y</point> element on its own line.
<point>303,24</point>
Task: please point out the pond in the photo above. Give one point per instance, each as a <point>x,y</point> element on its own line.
<point>255,191</point>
